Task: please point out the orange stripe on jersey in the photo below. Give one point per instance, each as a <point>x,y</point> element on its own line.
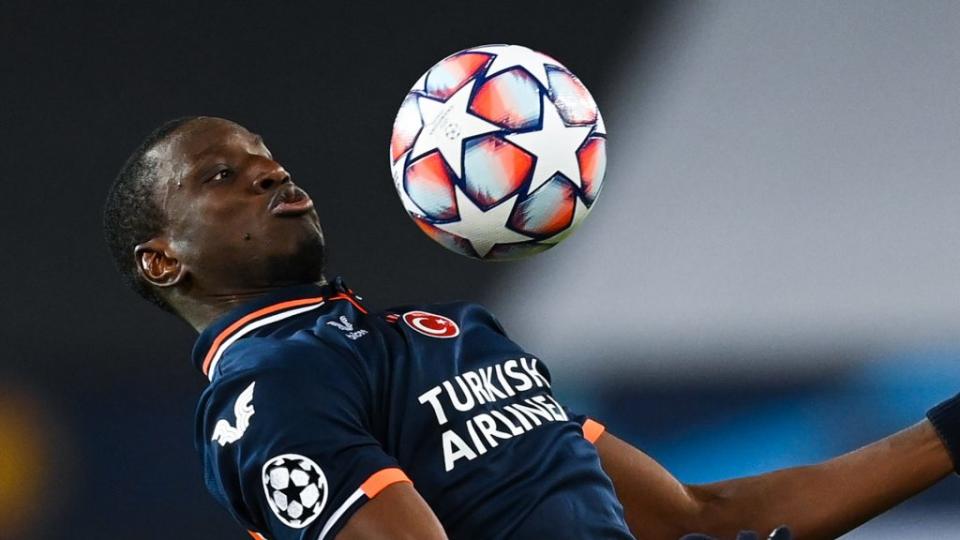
<point>351,300</point>
<point>247,319</point>
<point>381,479</point>
<point>592,430</point>
<point>256,536</point>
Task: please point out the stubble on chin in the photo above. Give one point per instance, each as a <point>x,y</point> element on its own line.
<point>305,265</point>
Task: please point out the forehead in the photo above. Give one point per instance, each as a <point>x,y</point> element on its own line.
<point>202,136</point>
<point>184,150</point>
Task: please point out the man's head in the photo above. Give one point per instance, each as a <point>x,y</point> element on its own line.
<point>201,212</point>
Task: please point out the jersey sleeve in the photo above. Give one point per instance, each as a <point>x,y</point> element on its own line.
<point>289,445</point>
<point>590,427</point>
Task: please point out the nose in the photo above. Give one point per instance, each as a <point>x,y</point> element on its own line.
<point>271,177</point>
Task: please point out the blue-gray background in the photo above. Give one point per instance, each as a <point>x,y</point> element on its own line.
<point>769,278</point>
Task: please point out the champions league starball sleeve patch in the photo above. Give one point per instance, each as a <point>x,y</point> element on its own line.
<point>296,489</point>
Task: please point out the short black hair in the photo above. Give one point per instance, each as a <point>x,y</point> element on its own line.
<point>131,214</point>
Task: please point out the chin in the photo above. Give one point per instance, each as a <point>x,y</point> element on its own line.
<point>304,264</point>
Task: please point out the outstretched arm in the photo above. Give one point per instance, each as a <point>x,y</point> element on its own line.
<point>815,501</point>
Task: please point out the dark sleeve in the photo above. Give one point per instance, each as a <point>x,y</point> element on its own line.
<point>591,428</point>
<point>290,445</point>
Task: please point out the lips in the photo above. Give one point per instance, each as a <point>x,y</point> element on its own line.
<point>290,201</point>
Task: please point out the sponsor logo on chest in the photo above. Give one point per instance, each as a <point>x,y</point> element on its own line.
<point>480,388</point>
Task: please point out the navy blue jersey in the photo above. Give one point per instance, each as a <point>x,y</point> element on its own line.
<point>315,406</point>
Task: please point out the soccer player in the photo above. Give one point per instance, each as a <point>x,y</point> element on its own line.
<point>323,420</point>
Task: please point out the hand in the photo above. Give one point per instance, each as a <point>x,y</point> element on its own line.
<point>780,533</point>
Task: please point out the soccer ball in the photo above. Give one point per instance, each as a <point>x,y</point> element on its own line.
<point>296,489</point>
<point>498,152</point>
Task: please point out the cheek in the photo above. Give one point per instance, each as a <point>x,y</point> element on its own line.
<point>213,235</point>
<point>219,215</point>
<point>211,230</point>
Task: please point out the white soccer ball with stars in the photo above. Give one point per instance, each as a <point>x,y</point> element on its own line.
<point>296,489</point>
<point>498,152</point>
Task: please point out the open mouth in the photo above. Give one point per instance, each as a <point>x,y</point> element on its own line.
<point>290,201</point>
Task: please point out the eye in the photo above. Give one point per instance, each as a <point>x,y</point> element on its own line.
<point>221,174</point>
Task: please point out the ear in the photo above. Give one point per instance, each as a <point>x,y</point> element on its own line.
<point>157,263</point>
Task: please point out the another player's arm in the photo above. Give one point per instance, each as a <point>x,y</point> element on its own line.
<point>815,501</point>
<point>396,513</point>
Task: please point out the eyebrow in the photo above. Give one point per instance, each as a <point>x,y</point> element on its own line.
<point>257,138</point>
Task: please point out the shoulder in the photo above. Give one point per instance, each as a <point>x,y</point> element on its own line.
<point>304,353</point>
<point>449,318</point>
<point>286,373</point>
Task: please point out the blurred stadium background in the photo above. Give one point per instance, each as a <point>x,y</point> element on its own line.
<point>771,278</point>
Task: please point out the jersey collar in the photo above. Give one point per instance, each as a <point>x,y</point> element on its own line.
<point>267,309</point>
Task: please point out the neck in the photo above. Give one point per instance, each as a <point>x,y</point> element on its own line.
<point>201,310</point>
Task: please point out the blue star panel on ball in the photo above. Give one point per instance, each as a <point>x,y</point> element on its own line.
<point>498,152</point>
